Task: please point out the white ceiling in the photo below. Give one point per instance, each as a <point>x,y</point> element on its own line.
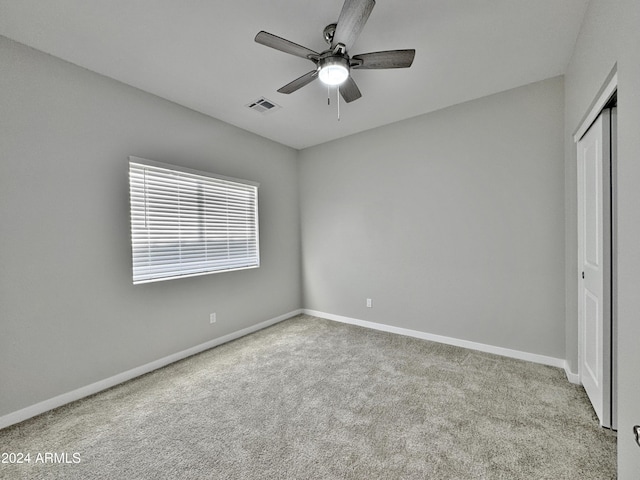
<point>201,54</point>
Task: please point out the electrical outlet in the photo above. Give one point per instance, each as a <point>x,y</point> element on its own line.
<point>212,318</point>
<point>369,303</point>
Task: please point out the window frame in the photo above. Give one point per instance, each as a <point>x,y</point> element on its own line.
<point>212,222</point>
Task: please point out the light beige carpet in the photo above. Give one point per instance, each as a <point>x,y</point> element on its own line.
<point>313,399</point>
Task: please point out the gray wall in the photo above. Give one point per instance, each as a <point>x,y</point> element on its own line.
<point>69,313</point>
<point>452,222</point>
<point>610,35</point>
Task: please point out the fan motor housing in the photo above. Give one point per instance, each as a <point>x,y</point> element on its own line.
<point>328,60</point>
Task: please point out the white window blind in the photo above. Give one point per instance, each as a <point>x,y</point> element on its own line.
<point>185,222</point>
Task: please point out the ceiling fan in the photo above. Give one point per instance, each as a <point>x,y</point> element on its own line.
<point>334,65</point>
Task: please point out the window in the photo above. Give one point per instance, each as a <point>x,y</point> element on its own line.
<point>185,222</point>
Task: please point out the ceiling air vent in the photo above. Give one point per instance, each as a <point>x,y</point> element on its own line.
<point>263,105</point>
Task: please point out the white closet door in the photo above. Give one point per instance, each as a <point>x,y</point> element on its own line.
<point>594,247</point>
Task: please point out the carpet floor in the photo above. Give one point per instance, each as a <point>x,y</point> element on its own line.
<point>313,399</point>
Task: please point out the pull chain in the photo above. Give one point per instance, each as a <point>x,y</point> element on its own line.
<point>337,98</point>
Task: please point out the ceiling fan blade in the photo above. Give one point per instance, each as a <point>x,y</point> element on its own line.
<point>351,21</point>
<point>349,90</point>
<point>299,82</point>
<point>387,59</point>
<point>273,41</point>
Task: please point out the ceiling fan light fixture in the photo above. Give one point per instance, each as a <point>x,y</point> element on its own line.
<point>334,70</point>
<point>333,65</point>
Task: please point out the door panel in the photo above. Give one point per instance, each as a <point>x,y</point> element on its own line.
<point>594,262</point>
<point>592,340</point>
<point>592,214</point>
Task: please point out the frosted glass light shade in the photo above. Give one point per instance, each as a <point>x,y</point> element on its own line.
<point>333,74</point>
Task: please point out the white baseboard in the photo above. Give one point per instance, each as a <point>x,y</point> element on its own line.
<point>63,399</point>
<point>572,377</point>
<point>505,352</point>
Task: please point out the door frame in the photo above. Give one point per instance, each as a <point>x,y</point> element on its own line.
<point>600,103</point>
<point>609,88</point>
